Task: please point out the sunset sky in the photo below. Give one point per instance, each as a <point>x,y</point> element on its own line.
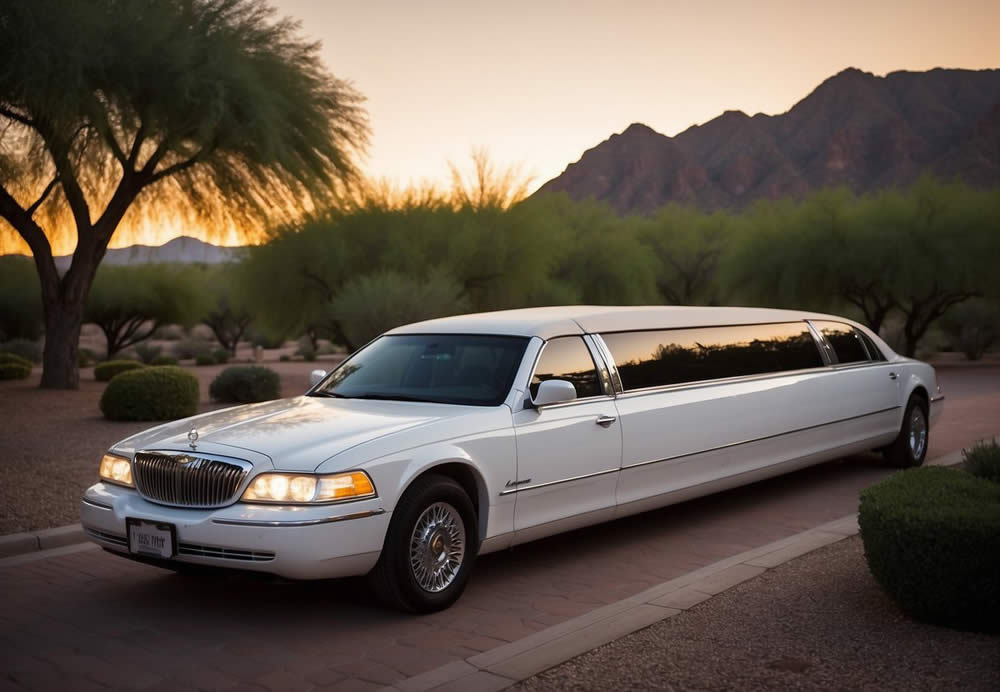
<point>539,82</point>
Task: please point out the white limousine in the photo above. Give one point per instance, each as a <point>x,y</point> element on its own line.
<point>455,437</point>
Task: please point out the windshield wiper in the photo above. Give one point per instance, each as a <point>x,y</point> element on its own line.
<point>391,397</point>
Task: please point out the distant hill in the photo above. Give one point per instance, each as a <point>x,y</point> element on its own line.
<point>183,250</point>
<point>854,129</point>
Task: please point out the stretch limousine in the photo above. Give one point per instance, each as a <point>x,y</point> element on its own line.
<point>450,438</point>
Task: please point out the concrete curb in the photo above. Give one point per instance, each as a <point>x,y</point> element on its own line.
<point>519,660</point>
<point>20,543</point>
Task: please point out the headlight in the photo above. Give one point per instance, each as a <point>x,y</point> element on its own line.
<point>117,470</point>
<point>297,488</point>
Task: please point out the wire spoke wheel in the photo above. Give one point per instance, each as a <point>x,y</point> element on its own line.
<point>437,547</point>
<point>918,432</point>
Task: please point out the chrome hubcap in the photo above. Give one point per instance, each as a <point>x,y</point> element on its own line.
<point>918,432</point>
<point>437,547</point>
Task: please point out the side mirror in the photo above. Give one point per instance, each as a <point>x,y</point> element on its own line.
<point>316,376</point>
<point>554,392</point>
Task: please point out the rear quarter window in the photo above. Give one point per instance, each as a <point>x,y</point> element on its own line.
<point>847,342</point>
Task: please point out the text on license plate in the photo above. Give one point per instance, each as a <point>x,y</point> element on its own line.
<point>149,538</point>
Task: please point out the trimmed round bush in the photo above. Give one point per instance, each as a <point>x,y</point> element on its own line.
<point>154,393</point>
<point>163,360</point>
<point>245,384</point>
<point>26,348</point>
<point>14,371</point>
<point>103,372</point>
<point>932,541</point>
<point>204,359</point>
<point>13,358</point>
<point>221,355</point>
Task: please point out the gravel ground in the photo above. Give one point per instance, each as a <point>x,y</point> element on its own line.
<point>51,442</point>
<point>818,622</point>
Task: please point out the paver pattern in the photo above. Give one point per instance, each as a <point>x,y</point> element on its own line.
<point>103,622</point>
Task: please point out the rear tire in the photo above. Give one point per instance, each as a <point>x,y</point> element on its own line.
<point>909,449</point>
<point>429,549</point>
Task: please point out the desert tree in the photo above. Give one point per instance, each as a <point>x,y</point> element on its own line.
<point>116,113</point>
<point>688,244</point>
<point>129,303</point>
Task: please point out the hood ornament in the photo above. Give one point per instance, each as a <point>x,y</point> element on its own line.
<point>193,438</point>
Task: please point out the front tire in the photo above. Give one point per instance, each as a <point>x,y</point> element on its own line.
<point>429,549</point>
<point>909,449</point>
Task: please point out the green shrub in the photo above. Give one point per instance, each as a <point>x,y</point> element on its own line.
<point>245,384</point>
<point>189,349</point>
<point>14,371</point>
<point>155,393</point>
<point>103,372</point>
<point>13,358</point>
<point>221,356</point>
<point>932,541</point>
<point>284,358</point>
<point>163,360</point>
<point>86,357</point>
<point>973,326</point>
<point>983,460</point>
<point>147,353</point>
<point>264,339</point>
<point>369,305</point>
<point>204,359</point>
<point>29,350</point>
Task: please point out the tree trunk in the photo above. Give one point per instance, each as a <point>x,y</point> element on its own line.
<point>60,365</point>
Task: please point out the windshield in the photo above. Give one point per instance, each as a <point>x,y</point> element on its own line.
<point>470,369</point>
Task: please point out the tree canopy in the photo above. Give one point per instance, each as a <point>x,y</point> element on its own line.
<point>114,110</point>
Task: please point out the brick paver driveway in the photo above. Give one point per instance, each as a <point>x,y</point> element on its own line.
<point>93,621</point>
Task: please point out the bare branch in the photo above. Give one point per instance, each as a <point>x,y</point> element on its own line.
<point>30,211</point>
<point>17,117</point>
<point>33,235</point>
<point>178,167</point>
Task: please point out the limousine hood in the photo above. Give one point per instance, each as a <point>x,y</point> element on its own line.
<point>296,434</point>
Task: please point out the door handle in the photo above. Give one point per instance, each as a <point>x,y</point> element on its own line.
<point>893,376</point>
<point>605,421</point>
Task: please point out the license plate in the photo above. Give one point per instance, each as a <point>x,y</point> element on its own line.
<point>151,538</point>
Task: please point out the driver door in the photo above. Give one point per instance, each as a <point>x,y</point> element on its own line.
<point>568,454</point>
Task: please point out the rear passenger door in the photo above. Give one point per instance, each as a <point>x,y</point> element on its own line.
<point>568,454</point>
<point>704,404</point>
<point>861,383</point>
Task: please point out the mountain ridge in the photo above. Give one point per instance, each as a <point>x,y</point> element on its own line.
<point>854,129</point>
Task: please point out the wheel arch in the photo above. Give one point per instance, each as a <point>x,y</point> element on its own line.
<point>468,477</point>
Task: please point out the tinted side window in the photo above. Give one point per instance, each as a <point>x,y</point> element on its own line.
<point>874,352</point>
<point>567,358</point>
<point>675,356</point>
<point>846,341</point>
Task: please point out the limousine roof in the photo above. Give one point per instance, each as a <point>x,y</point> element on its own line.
<point>588,319</point>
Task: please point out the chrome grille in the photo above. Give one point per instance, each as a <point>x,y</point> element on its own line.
<point>188,480</point>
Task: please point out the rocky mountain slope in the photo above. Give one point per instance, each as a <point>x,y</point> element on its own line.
<point>854,129</point>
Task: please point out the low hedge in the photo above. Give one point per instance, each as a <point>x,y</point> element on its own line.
<point>932,541</point>
<point>103,372</point>
<point>153,393</point>
<point>13,370</point>
<point>245,384</point>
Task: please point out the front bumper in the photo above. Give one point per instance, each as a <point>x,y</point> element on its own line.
<point>296,542</point>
